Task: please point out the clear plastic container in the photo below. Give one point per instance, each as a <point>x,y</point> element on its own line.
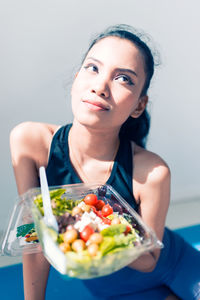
<point>79,265</point>
<point>12,244</point>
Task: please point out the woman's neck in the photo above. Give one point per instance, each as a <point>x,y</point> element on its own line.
<point>93,143</point>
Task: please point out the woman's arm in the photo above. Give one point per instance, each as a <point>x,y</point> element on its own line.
<point>152,191</point>
<point>29,144</point>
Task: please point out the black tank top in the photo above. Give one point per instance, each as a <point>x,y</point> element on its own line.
<point>60,170</point>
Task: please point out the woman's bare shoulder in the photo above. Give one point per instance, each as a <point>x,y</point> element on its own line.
<point>149,166</point>
<point>25,128</point>
<point>32,132</point>
<point>31,139</point>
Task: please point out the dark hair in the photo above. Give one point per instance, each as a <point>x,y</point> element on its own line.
<point>135,129</point>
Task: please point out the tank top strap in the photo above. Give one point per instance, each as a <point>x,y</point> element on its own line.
<point>121,178</point>
<point>59,142</point>
<point>59,169</point>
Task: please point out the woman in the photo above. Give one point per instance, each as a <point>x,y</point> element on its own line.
<point>105,144</point>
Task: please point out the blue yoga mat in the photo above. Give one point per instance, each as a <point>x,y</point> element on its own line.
<point>57,288</point>
<point>191,234</point>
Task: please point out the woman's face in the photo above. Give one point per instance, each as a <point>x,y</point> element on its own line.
<point>107,89</point>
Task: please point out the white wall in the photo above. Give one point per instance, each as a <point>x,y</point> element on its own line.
<point>42,43</point>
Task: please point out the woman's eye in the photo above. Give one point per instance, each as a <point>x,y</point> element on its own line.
<point>91,68</point>
<point>125,79</point>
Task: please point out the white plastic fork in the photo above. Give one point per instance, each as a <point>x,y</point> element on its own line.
<point>49,218</point>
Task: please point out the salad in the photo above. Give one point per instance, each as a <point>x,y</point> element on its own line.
<point>97,233</point>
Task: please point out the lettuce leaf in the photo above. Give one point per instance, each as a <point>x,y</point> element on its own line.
<point>60,205</point>
<point>110,244</point>
<point>113,230</point>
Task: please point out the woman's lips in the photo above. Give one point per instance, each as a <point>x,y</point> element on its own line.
<point>94,105</point>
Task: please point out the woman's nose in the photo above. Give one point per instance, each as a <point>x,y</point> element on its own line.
<point>101,88</point>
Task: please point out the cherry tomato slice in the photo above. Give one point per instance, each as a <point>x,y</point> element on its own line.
<point>100,204</point>
<point>99,213</point>
<point>128,229</point>
<point>91,199</point>
<point>94,209</point>
<point>86,233</point>
<point>107,210</point>
<point>106,221</point>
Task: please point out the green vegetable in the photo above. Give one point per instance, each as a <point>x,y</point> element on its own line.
<point>114,239</point>
<point>60,205</point>
<point>107,245</point>
<point>113,230</point>
<point>116,243</point>
<point>24,229</point>
<point>80,257</point>
<point>60,238</point>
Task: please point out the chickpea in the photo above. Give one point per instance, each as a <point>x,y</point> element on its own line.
<point>93,249</point>
<point>96,238</point>
<point>86,207</point>
<point>76,211</point>
<point>64,247</point>
<point>69,227</point>
<point>78,245</point>
<point>115,221</point>
<point>70,235</point>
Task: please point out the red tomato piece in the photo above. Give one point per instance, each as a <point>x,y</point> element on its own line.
<point>91,199</point>
<point>94,209</point>
<point>128,229</point>
<point>100,204</point>
<point>99,213</point>
<point>86,233</point>
<point>107,210</point>
<point>106,221</point>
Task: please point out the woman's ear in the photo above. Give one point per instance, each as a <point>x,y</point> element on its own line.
<point>142,102</point>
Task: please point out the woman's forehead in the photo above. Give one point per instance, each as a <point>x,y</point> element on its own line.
<point>116,50</point>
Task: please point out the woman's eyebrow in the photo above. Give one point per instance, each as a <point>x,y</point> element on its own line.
<point>90,57</point>
<point>118,69</point>
<point>127,70</point>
